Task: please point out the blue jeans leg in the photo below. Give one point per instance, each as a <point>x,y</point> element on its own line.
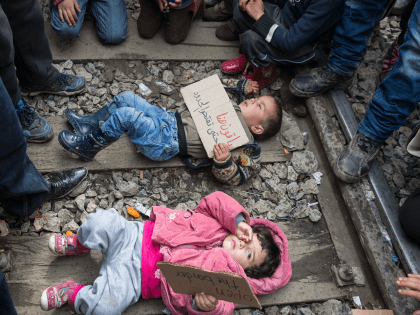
<point>398,95</point>
<point>152,129</point>
<point>22,188</point>
<point>111,20</point>
<point>62,28</point>
<point>6,303</point>
<point>352,34</point>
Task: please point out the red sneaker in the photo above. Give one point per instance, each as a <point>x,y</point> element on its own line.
<point>58,295</point>
<point>263,75</point>
<point>390,58</point>
<point>234,66</point>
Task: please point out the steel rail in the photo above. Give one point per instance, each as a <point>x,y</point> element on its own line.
<point>407,250</point>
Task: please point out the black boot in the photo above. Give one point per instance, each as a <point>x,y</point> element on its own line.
<point>87,146</point>
<point>318,80</point>
<point>63,182</point>
<point>83,125</point>
<point>357,158</point>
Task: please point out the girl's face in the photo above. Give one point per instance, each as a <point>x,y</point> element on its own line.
<point>248,254</point>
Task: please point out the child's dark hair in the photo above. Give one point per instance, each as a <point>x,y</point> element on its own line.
<point>272,124</point>
<point>272,261</point>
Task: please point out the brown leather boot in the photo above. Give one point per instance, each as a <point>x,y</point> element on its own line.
<point>149,20</point>
<point>178,26</point>
<point>220,12</point>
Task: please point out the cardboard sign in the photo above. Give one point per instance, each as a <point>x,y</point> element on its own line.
<point>223,285</point>
<point>213,114</point>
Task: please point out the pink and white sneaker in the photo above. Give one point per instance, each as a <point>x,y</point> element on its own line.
<point>234,66</point>
<point>58,295</point>
<point>63,245</point>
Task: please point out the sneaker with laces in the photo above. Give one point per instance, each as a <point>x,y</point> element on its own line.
<point>357,158</point>
<point>66,84</point>
<point>35,128</point>
<point>389,60</point>
<point>59,295</point>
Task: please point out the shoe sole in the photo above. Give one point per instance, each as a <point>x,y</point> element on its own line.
<point>298,93</point>
<point>81,181</point>
<point>225,72</point>
<point>68,148</point>
<point>61,93</point>
<point>39,140</point>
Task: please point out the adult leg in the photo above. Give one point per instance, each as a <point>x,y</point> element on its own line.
<point>111,20</point>
<point>33,59</point>
<point>394,100</point>
<point>350,44</point>
<point>62,28</point>
<point>6,303</point>
<point>179,24</point>
<point>410,216</point>
<point>22,188</point>
<point>119,281</point>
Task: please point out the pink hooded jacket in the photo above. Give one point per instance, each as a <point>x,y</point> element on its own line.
<point>195,238</point>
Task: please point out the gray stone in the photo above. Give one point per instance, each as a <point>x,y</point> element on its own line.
<point>182,206</point>
<point>40,222</point>
<point>271,216</point>
<point>332,307</point>
<point>309,187</point>
<point>264,173</point>
<point>79,189</point>
<point>91,207</point>
<point>304,162</point>
<point>291,136</point>
<point>80,71</point>
<point>71,226</point>
<point>80,202</point>
<point>283,210</point>
<point>291,174</point>
<point>314,215</point>
<point>292,190</point>
<point>398,180</point>
<point>287,310</point>
<point>209,66</point>
<point>103,204</point>
<point>118,195</point>
<point>306,311</point>
<point>168,76</point>
<point>277,84</point>
<point>84,217</point>
<point>261,207</point>
<point>280,170</point>
<point>316,307</point>
<point>272,310</point>
<point>65,215</point>
<point>90,193</point>
<point>25,226</point>
<point>128,188</point>
<point>53,225</point>
<point>302,210</point>
<point>68,64</point>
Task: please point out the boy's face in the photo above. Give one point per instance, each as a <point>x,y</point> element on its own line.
<point>256,111</point>
<point>248,254</point>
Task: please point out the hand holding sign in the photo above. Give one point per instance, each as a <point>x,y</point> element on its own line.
<point>205,302</point>
<point>221,152</point>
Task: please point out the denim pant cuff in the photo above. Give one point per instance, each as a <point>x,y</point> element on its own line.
<point>338,70</point>
<point>363,131</point>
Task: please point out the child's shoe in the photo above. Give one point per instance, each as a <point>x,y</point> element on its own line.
<point>62,245</point>
<point>234,66</point>
<point>389,60</point>
<point>263,75</point>
<point>58,295</point>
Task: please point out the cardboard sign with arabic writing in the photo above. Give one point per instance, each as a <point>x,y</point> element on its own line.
<point>213,114</point>
<point>223,285</point>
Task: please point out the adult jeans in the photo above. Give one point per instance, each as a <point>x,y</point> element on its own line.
<point>24,45</point>
<point>399,93</point>
<point>153,130</point>
<point>352,34</point>
<point>110,15</point>
<point>22,188</point>
<point>6,303</point>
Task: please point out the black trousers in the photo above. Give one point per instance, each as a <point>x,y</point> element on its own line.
<point>24,45</point>
<point>256,49</point>
<point>410,215</point>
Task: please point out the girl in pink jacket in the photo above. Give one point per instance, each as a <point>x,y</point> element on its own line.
<point>218,235</point>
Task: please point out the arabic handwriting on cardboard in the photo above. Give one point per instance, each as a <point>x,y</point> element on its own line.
<point>224,127</point>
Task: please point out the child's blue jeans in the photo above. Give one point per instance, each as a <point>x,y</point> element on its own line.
<point>110,15</point>
<point>153,130</point>
<point>119,282</point>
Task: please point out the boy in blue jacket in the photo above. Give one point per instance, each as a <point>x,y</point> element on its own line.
<point>280,32</point>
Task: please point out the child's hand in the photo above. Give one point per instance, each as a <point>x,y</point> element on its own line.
<point>255,9</point>
<point>244,232</point>
<point>221,152</point>
<point>66,10</point>
<point>252,87</point>
<point>205,303</point>
<point>176,4</point>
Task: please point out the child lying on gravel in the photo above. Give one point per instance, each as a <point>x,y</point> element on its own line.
<point>160,134</point>
<point>223,238</point>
